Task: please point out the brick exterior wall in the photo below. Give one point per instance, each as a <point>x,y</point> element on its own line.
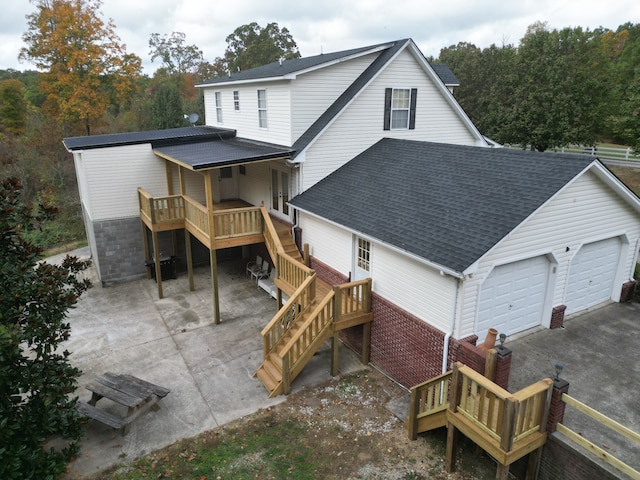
<point>557,316</point>
<point>404,347</point>
<point>628,290</point>
<point>562,460</point>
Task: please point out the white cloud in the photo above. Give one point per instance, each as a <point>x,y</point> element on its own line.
<point>331,25</point>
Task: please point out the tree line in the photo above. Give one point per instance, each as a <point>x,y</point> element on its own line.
<point>555,88</point>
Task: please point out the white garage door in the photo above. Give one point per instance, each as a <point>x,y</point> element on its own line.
<point>592,274</point>
<point>512,297</point>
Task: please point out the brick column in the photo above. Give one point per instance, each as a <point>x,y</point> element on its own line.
<point>628,289</point>
<point>557,406</point>
<point>503,366</point>
<point>557,316</point>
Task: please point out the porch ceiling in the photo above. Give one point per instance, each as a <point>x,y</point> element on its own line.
<point>222,153</point>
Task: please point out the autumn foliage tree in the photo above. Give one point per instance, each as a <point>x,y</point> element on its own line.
<point>81,58</point>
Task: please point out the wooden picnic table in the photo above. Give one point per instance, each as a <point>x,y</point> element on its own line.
<point>134,393</point>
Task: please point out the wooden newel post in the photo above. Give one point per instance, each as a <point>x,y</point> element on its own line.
<point>286,383</point>
<point>337,312</point>
<point>412,421</point>
<point>456,393</point>
<point>490,364</point>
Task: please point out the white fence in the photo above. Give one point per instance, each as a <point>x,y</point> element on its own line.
<point>604,153</point>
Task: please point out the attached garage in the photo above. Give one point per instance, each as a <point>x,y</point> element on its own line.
<point>592,274</point>
<point>512,298</point>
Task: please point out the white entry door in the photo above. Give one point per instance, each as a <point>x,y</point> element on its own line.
<point>592,274</point>
<point>512,298</point>
<point>361,259</point>
<point>280,191</point>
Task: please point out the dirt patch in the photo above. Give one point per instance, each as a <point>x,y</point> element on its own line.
<point>341,429</point>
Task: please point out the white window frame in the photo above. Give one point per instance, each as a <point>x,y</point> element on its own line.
<point>218,97</point>
<point>262,109</point>
<point>363,254</point>
<point>236,100</point>
<point>398,109</point>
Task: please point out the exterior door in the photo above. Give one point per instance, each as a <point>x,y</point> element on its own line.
<point>280,191</point>
<point>592,275</point>
<point>227,184</point>
<point>512,298</point>
<point>361,259</point>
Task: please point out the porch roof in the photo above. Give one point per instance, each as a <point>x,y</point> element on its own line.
<point>222,152</point>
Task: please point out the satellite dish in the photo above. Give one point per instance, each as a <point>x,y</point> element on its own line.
<point>193,118</point>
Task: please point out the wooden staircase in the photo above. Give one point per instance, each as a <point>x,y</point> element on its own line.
<point>314,312</point>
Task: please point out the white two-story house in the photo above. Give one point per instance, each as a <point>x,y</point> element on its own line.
<point>366,155</point>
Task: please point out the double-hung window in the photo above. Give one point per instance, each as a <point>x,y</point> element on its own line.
<point>262,108</point>
<point>236,100</point>
<point>219,107</point>
<point>400,108</point>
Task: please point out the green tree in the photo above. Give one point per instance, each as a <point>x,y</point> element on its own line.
<point>81,57</point>
<point>36,378</point>
<point>13,106</point>
<point>176,57</point>
<point>251,46</point>
<point>167,107</point>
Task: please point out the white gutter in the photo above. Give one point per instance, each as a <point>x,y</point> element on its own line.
<point>445,348</point>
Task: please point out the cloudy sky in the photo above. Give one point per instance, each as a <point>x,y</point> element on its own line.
<point>330,25</point>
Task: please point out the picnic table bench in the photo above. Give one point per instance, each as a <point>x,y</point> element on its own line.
<point>134,393</point>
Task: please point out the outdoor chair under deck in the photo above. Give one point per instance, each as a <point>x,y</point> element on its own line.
<point>263,272</point>
<point>253,266</point>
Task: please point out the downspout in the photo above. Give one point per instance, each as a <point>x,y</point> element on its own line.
<point>452,322</point>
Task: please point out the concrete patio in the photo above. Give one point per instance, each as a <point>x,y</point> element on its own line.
<point>172,342</point>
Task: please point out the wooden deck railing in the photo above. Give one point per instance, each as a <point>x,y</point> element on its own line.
<point>306,341</point>
<point>159,210</point>
<point>614,426</point>
<point>429,403</point>
<point>197,216</point>
<point>286,317</point>
<point>237,222</point>
<point>353,301</point>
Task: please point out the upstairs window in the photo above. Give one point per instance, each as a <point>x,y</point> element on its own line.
<point>218,107</point>
<point>400,108</point>
<point>364,255</point>
<point>262,108</point>
<point>236,100</point>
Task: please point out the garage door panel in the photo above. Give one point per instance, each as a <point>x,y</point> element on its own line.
<point>512,297</point>
<point>592,274</point>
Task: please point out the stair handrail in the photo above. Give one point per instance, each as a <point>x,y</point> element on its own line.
<point>306,340</point>
<point>287,316</point>
<point>271,239</point>
<point>428,398</point>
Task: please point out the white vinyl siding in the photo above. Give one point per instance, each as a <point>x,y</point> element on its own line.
<point>413,286</point>
<point>328,243</point>
<point>253,186</point>
<point>360,125</point>
<point>585,211</point>
<point>113,175</point>
<point>245,121</point>
<point>315,91</point>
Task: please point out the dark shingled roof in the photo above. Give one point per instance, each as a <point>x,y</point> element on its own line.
<point>448,204</point>
<point>219,153</point>
<point>277,69</point>
<point>155,137</point>
<point>445,74</point>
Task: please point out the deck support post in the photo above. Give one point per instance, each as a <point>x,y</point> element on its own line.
<point>187,246</point>
<point>452,434</point>
<point>214,286</point>
<point>335,345</point>
<point>156,259</point>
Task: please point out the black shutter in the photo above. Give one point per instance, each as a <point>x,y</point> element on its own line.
<point>387,108</point>
<point>412,109</point>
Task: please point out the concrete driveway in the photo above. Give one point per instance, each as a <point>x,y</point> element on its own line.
<point>172,342</point>
<point>600,351</point>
